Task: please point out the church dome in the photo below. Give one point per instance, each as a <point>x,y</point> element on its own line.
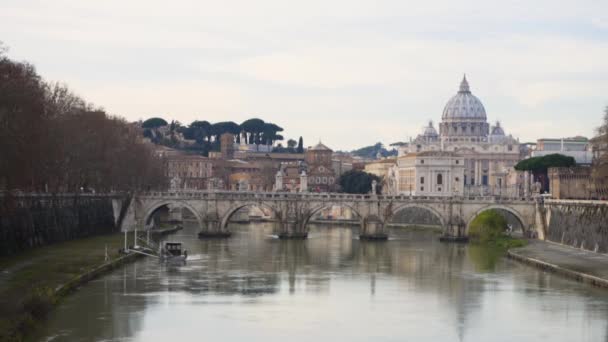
<point>497,130</point>
<point>430,131</point>
<point>464,106</point>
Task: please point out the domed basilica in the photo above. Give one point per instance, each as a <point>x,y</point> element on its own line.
<point>467,155</point>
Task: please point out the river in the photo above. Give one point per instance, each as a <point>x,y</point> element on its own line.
<point>330,287</point>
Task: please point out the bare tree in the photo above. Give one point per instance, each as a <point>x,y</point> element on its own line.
<point>53,140</point>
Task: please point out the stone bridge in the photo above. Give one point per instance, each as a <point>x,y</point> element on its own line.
<point>292,211</point>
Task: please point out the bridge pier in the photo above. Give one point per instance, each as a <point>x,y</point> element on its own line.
<point>212,228</point>
<point>373,229</point>
<point>292,229</point>
<point>454,231</point>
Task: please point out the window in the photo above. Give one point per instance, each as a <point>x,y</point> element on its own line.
<point>438,189</point>
<point>484,180</point>
<point>457,161</point>
<point>421,180</point>
<point>457,179</point>
<point>422,161</point>
<point>439,179</point>
<point>510,147</point>
<point>421,188</point>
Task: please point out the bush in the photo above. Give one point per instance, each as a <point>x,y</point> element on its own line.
<point>489,226</point>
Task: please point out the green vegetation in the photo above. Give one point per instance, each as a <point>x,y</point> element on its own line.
<point>373,150</point>
<point>489,240</point>
<point>489,228</point>
<point>154,123</point>
<point>29,280</point>
<point>358,182</point>
<point>300,148</point>
<point>541,164</point>
<point>207,135</point>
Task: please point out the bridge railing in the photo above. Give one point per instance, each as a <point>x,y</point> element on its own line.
<point>320,196</point>
<point>575,201</point>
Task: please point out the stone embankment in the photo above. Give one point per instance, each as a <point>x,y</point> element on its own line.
<point>581,265</point>
<point>580,224</point>
<point>34,220</point>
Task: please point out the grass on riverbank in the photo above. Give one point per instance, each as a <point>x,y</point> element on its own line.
<point>489,242</point>
<point>28,280</point>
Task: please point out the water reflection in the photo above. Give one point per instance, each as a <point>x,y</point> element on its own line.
<point>331,286</point>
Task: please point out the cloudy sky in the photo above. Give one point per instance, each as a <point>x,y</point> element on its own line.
<point>347,72</point>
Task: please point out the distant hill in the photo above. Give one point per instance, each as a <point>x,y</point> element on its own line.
<point>373,150</point>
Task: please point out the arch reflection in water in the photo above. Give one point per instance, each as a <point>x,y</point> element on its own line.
<point>258,288</point>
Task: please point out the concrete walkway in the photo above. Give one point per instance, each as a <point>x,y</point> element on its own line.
<point>585,266</point>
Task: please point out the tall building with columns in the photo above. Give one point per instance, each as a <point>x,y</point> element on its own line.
<point>488,153</point>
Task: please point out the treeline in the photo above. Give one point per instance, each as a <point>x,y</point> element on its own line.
<point>207,135</point>
<point>52,140</point>
<point>373,151</point>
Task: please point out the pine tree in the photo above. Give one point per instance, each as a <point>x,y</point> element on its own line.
<point>300,148</point>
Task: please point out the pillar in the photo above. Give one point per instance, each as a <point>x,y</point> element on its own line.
<point>292,229</point>
<point>212,228</point>
<point>373,229</point>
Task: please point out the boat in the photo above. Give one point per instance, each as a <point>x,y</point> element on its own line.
<point>172,251</point>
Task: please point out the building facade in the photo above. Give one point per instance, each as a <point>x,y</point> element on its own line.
<point>321,175</point>
<point>488,154</point>
<point>577,147</point>
<point>188,171</point>
<point>430,173</point>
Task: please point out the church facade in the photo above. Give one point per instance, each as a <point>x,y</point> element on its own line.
<point>487,154</point>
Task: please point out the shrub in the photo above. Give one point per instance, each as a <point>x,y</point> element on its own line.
<point>489,226</point>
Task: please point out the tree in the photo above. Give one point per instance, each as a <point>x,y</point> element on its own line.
<point>269,134</point>
<point>372,151</point>
<point>358,182</point>
<point>300,148</point>
<point>487,227</point>
<point>53,140</point>
<point>199,131</point>
<point>154,123</point>
<point>539,165</point>
<point>600,164</point>
<point>253,128</point>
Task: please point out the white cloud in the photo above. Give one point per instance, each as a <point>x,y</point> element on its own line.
<point>600,23</point>
<point>348,72</point>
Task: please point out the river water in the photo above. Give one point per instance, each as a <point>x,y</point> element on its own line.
<point>252,287</point>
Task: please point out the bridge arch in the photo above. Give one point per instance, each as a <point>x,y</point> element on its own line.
<point>232,210</point>
<point>508,209</point>
<point>157,205</point>
<point>320,207</point>
<point>428,208</point>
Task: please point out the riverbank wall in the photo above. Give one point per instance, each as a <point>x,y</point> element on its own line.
<point>35,220</point>
<point>580,224</point>
<point>102,269</point>
<point>545,263</point>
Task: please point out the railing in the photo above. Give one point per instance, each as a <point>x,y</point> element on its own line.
<point>20,194</point>
<point>575,201</point>
<point>324,196</point>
